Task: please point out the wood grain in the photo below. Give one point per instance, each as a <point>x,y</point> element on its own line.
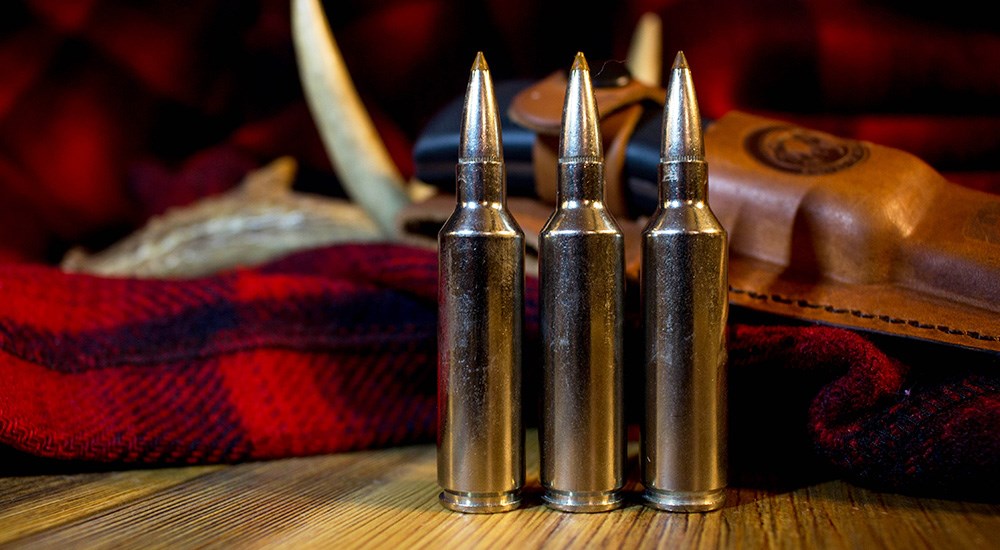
<point>31,504</point>
<point>388,498</point>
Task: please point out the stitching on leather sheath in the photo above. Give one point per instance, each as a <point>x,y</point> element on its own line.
<point>805,304</point>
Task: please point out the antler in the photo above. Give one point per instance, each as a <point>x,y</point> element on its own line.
<point>358,155</point>
<point>356,151</point>
<point>645,53</point>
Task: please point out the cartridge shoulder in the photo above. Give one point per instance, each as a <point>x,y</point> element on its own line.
<point>685,218</point>
<point>481,219</point>
<point>586,219</point>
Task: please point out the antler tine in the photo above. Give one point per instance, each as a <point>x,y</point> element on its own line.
<point>645,53</point>
<point>356,151</point>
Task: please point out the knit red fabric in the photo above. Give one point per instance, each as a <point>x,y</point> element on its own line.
<point>809,398</point>
<point>329,351</point>
<point>335,349</point>
<point>111,112</point>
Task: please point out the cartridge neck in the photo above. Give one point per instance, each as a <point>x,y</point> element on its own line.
<point>480,182</point>
<point>683,181</point>
<point>580,181</point>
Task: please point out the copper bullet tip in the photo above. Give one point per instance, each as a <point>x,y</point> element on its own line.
<point>682,139</point>
<point>480,63</point>
<point>680,62</point>
<point>580,137</point>
<point>481,140</point>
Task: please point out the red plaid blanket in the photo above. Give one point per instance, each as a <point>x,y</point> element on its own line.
<point>335,349</point>
<point>111,112</point>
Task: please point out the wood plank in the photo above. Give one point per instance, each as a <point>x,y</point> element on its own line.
<point>30,504</point>
<point>389,498</point>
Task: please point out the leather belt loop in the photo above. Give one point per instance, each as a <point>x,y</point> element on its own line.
<point>616,131</point>
<point>539,108</point>
<point>545,160</point>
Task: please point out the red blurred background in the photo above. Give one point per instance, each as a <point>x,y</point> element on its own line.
<point>112,111</point>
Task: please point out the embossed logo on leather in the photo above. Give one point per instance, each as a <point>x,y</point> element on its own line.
<point>802,151</point>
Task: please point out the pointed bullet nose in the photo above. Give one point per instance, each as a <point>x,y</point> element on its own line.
<point>480,63</point>
<point>680,62</point>
<point>580,136</point>
<point>682,139</point>
<point>480,139</point>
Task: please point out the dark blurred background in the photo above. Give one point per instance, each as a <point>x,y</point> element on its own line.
<point>113,111</point>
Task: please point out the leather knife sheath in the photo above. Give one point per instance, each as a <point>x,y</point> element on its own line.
<point>822,229</point>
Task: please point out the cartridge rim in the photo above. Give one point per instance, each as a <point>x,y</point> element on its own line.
<point>568,501</point>
<point>480,503</point>
<point>685,501</point>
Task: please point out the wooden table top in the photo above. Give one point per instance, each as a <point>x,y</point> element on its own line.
<point>388,498</point>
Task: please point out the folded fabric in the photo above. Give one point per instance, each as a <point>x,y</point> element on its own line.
<point>334,349</point>
<point>327,351</point>
<point>809,398</point>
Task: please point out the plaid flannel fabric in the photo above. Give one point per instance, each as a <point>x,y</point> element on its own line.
<point>112,111</point>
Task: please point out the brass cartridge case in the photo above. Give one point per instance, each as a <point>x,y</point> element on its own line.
<point>685,308</point>
<point>582,280</point>
<point>480,315</point>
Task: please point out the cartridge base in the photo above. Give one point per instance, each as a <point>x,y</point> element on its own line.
<point>685,501</point>
<point>480,503</point>
<point>567,501</point>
